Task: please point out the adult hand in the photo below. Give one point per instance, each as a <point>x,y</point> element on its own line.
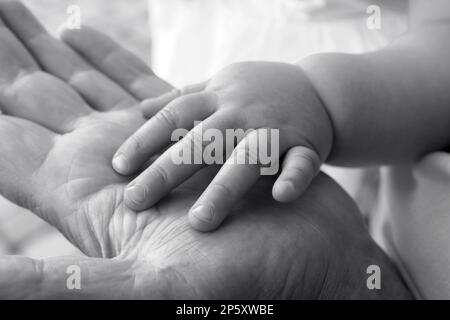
<point>57,143</point>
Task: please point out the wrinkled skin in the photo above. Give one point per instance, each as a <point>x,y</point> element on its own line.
<point>56,161</point>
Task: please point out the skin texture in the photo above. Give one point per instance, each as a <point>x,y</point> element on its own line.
<point>342,108</point>
<point>247,96</point>
<point>56,149</point>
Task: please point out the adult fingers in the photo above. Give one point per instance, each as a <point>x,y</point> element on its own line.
<point>23,148</point>
<point>27,92</point>
<point>59,59</point>
<point>45,100</point>
<point>73,278</point>
<point>300,166</point>
<point>239,173</point>
<point>130,72</point>
<point>14,58</point>
<point>157,133</point>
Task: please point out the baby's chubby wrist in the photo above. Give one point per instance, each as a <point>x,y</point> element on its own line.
<point>324,126</point>
<point>344,83</point>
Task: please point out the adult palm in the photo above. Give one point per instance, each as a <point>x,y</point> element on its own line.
<point>63,121</point>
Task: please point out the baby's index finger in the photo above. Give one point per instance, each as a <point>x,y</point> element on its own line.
<point>160,131</point>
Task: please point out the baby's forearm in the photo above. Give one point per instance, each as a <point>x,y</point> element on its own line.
<point>389,106</point>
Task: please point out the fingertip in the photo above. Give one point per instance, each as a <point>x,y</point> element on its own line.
<point>203,218</point>
<point>121,164</point>
<point>284,191</point>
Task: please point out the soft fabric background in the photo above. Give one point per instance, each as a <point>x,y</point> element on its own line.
<point>20,231</point>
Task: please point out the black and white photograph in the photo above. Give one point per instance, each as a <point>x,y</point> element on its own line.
<point>224,150</point>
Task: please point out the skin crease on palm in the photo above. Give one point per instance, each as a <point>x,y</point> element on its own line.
<point>56,153</point>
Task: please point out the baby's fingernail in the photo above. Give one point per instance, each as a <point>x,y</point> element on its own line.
<point>285,191</point>
<point>136,194</point>
<point>203,213</point>
<point>286,187</point>
<point>120,163</point>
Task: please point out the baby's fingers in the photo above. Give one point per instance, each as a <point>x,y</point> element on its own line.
<point>300,166</point>
<point>156,133</point>
<point>177,164</point>
<point>238,174</point>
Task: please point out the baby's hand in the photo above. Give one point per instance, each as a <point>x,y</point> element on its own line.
<point>251,95</point>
